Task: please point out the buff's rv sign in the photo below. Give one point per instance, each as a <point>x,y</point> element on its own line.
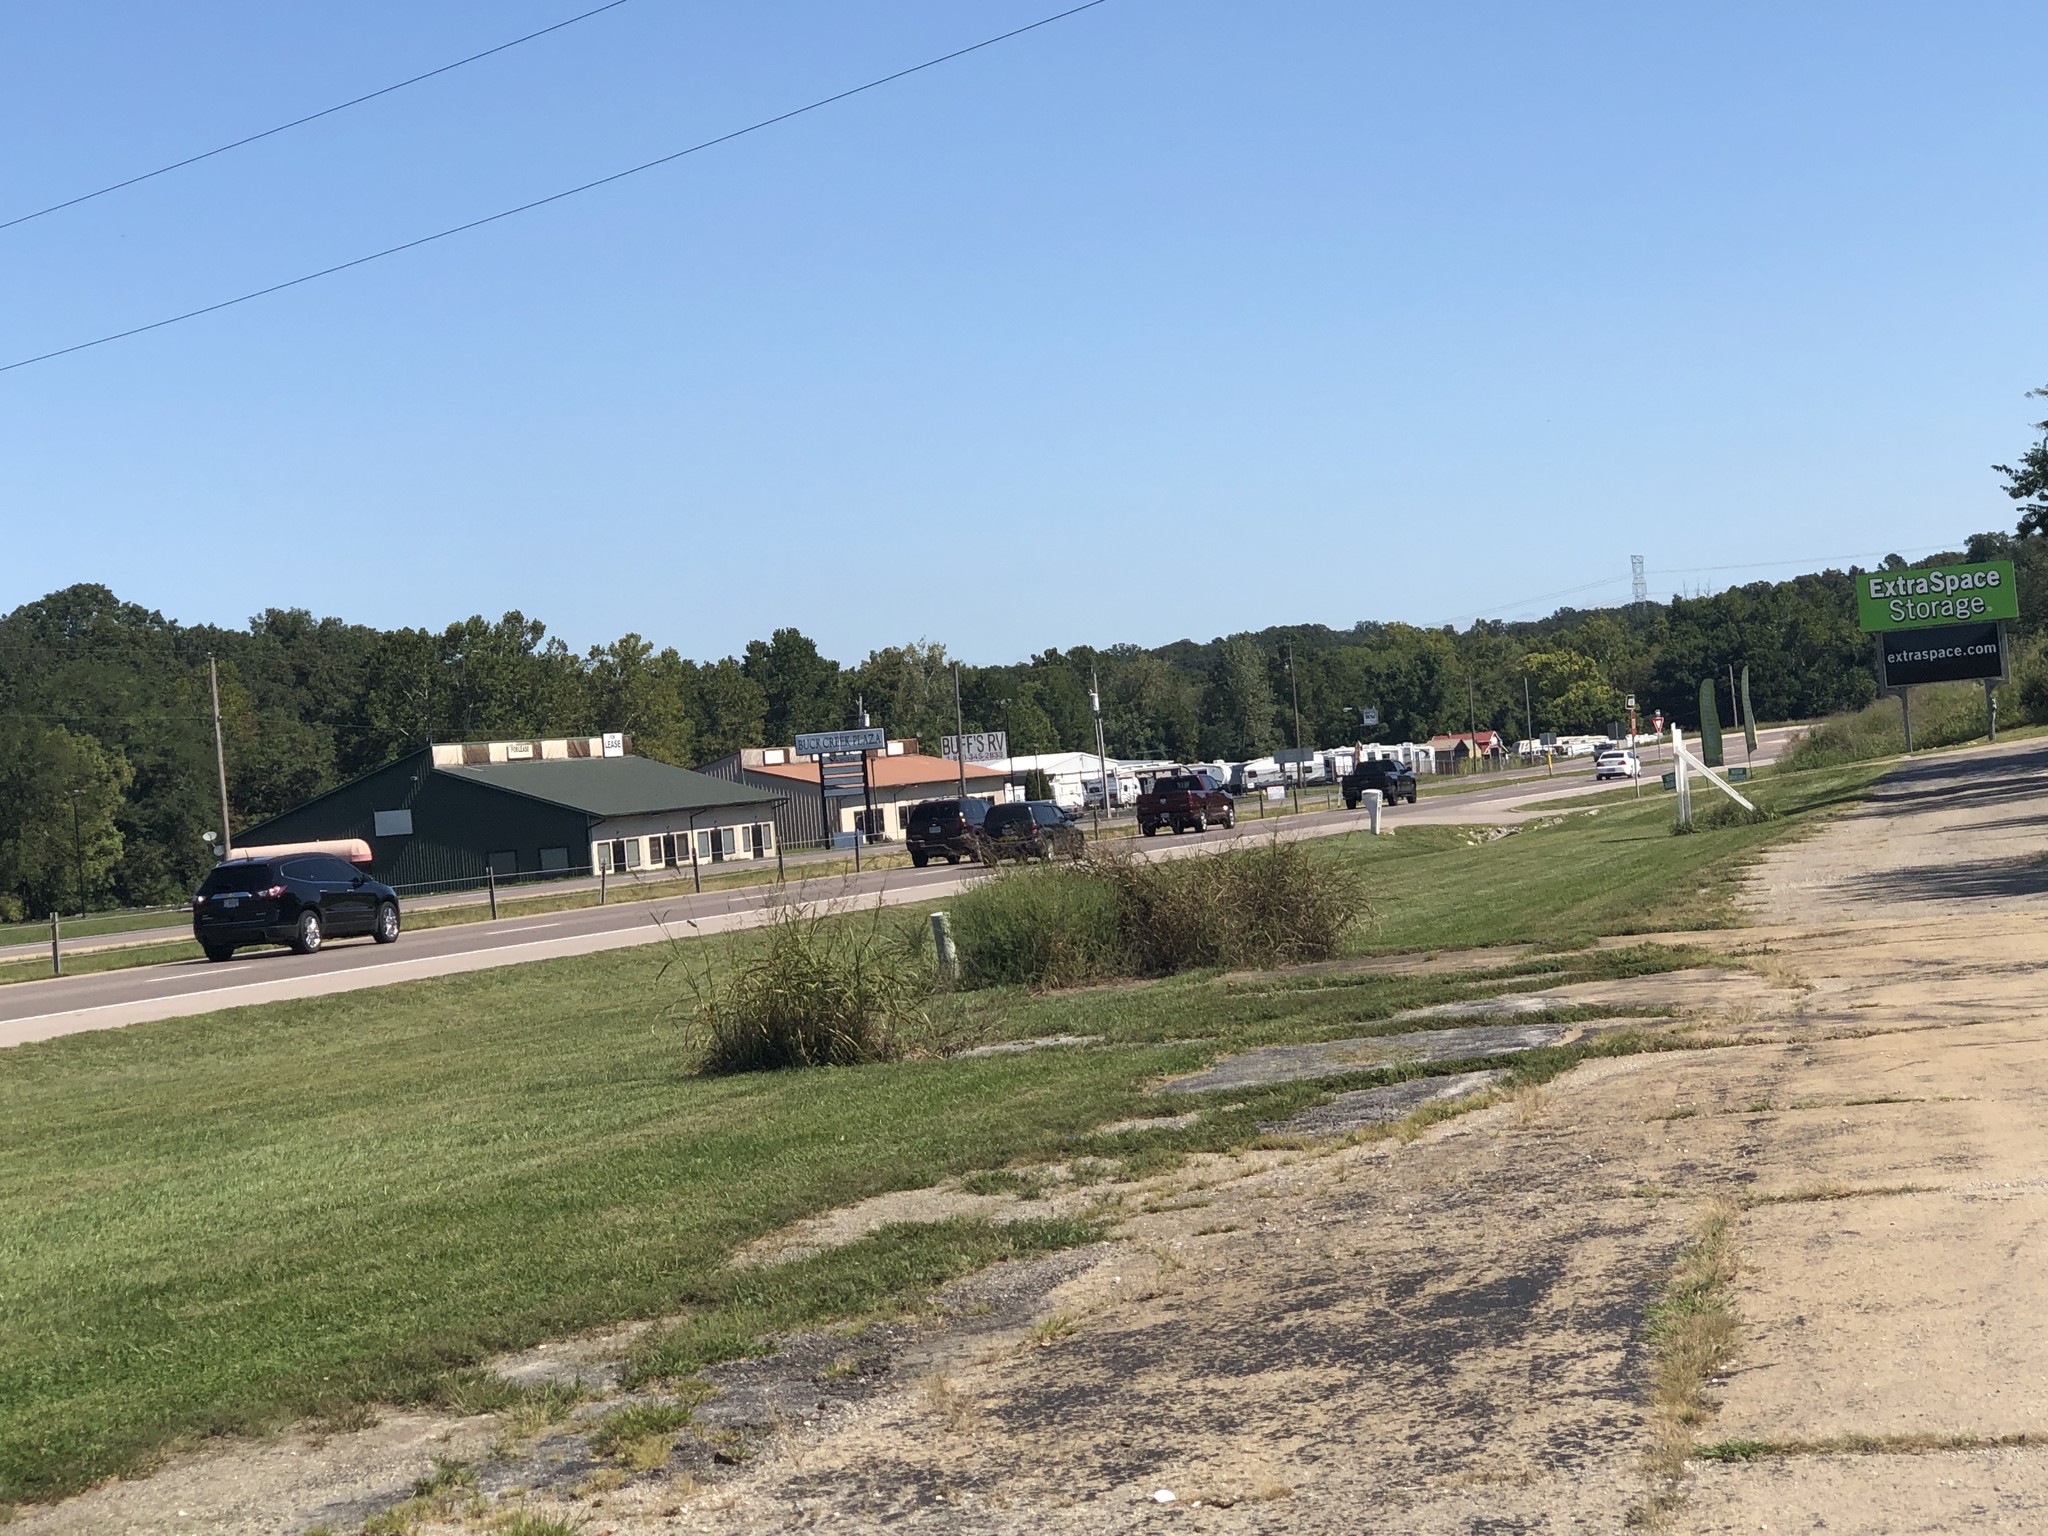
<point>1939,594</point>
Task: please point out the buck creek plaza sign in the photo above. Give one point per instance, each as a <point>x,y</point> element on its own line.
<point>1938,594</point>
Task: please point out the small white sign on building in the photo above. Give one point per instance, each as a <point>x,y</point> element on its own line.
<point>614,743</point>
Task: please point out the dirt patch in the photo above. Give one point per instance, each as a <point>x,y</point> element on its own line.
<point>1334,1058</point>
<point>1382,1106</point>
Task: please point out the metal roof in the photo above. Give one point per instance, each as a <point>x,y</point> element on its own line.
<point>612,786</point>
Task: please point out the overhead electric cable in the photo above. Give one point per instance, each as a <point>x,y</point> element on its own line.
<point>1809,564</point>
<point>300,122</point>
<point>556,197</point>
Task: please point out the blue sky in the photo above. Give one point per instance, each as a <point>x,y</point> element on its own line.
<point>1169,320</point>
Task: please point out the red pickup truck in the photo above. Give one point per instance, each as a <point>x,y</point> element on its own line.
<point>1186,802</point>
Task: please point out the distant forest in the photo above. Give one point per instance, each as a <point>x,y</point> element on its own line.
<point>106,750</point>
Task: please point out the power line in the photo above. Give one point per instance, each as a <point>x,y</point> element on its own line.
<point>556,197</point>
<point>300,122</point>
<point>1813,563</point>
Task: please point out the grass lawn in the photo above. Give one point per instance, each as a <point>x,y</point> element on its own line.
<point>219,1223</point>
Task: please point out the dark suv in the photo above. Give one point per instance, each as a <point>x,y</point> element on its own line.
<point>1393,779</point>
<point>946,829</point>
<point>302,900</point>
<point>1029,829</point>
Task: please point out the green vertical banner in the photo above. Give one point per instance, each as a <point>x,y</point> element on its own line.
<point>1748,712</point>
<point>1710,726</point>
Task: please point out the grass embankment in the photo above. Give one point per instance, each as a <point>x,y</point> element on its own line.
<point>1944,715</point>
<point>219,1223</point>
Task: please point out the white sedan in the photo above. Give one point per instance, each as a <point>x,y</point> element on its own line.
<point>1617,765</point>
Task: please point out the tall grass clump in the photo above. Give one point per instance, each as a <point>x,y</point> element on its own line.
<point>1111,915</point>
<point>1052,925</point>
<point>814,991</point>
<point>1944,715</point>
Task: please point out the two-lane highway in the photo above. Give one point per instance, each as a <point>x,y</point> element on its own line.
<point>40,1010</point>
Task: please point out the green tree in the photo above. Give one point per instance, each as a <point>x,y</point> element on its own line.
<point>802,689</point>
<point>1572,694</point>
<point>60,800</point>
<point>1237,708</point>
<point>2027,483</point>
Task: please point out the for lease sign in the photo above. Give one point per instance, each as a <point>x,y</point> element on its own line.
<point>1939,594</point>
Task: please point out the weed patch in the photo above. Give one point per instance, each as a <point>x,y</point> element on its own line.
<point>1692,1334</point>
<point>812,992</point>
<point>1111,915</point>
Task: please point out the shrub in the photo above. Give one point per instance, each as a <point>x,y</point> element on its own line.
<point>816,991</point>
<point>1051,926</point>
<point>1944,715</point>
<point>1112,915</point>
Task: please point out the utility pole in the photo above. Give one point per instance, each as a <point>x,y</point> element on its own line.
<point>1101,748</point>
<point>1294,683</point>
<point>959,732</point>
<point>1528,710</point>
<point>1472,741</point>
<point>220,761</point>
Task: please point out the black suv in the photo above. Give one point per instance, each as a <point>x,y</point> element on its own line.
<point>1029,829</point>
<point>302,900</point>
<point>947,829</point>
<point>1393,779</point>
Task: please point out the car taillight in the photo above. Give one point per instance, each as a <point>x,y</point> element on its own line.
<point>273,892</point>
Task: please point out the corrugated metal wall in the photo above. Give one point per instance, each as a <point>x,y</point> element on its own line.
<point>798,820</point>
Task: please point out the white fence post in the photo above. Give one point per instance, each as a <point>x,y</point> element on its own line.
<point>1679,778</point>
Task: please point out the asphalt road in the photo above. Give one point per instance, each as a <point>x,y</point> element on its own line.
<point>40,1010</point>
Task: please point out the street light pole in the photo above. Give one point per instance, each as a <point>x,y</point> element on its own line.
<point>959,732</point>
<point>220,762</point>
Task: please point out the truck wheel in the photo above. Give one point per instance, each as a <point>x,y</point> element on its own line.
<point>306,938</point>
<point>1150,829</point>
<point>1229,818</point>
<point>1199,824</point>
<point>219,952</point>
<point>919,860</point>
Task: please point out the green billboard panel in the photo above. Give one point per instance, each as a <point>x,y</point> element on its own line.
<point>1936,594</point>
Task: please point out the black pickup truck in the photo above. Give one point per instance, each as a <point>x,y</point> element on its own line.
<point>1394,780</point>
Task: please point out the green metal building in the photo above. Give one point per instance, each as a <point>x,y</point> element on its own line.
<point>523,808</point>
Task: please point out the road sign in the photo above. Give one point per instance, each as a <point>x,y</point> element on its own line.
<point>821,743</point>
<point>1957,653</point>
<point>982,747</point>
<point>1936,595</point>
<point>1372,718</point>
<point>614,743</point>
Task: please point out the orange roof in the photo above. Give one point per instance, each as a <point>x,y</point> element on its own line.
<point>891,772</point>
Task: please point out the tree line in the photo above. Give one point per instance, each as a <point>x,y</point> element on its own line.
<point>107,776</point>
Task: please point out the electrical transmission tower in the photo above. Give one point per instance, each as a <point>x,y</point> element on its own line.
<point>1639,589</point>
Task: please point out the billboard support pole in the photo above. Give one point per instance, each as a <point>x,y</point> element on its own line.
<point>1906,714</point>
<point>1991,705</point>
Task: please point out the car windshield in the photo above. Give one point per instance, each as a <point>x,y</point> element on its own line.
<point>237,879</point>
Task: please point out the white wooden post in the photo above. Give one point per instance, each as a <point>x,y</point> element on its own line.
<point>1679,779</point>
